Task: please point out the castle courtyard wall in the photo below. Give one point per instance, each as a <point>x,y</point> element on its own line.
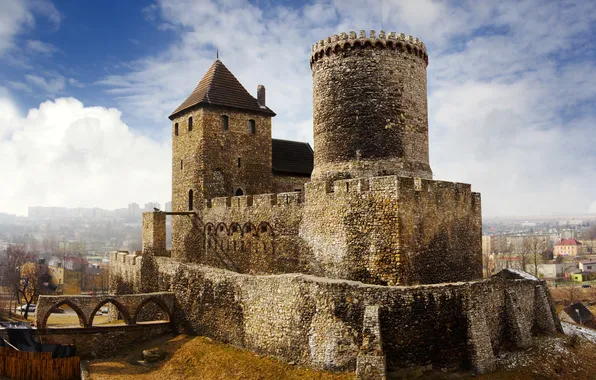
<point>382,230</point>
<point>317,322</point>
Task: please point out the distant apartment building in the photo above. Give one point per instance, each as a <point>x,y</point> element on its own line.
<point>494,244</point>
<point>134,211</point>
<point>568,247</point>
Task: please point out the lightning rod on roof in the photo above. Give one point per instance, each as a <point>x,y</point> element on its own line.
<point>216,53</point>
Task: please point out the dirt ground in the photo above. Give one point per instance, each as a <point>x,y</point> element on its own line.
<point>552,357</point>
<point>201,358</point>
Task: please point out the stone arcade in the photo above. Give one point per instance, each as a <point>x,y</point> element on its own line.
<point>369,262</point>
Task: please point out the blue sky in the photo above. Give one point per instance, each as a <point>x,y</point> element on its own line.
<point>86,88</point>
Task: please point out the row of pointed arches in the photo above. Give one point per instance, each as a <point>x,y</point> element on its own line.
<point>150,310</point>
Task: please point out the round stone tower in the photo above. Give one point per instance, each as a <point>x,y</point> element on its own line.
<point>369,106</point>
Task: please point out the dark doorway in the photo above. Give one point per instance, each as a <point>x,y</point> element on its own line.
<point>239,192</point>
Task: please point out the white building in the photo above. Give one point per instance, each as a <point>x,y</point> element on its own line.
<point>587,266</point>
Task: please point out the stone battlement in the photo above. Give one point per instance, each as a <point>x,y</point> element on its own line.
<point>390,40</point>
<point>316,189</point>
<point>260,200</point>
<point>126,257</point>
<point>385,184</point>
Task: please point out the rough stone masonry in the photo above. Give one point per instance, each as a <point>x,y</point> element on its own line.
<point>373,264</point>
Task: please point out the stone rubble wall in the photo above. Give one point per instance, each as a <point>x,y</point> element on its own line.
<point>125,272</point>
<point>383,230</point>
<point>318,322</point>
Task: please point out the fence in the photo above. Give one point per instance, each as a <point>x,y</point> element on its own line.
<point>20,365</point>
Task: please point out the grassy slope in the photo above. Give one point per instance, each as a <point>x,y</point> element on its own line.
<point>559,357</point>
<point>201,358</point>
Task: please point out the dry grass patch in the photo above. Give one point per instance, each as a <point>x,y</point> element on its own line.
<point>202,358</point>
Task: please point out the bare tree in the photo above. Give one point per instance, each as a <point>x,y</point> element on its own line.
<point>533,248</point>
<point>16,256</point>
<point>29,284</point>
<point>524,253</point>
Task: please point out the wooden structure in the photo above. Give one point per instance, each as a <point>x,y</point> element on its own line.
<point>20,365</point>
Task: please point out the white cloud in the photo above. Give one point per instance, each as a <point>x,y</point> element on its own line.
<point>510,89</point>
<point>36,46</point>
<point>75,83</point>
<point>65,154</point>
<point>18,15</point>
<point>51,86</point>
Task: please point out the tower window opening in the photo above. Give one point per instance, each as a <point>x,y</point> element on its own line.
<point>190,207</point>
<point>224,122</point>
<point>176,129</point>
<point>239,192</point>
<point>239,162</point>
<point>181,165</point>
<point>252,127</point>
<point>190,124</point>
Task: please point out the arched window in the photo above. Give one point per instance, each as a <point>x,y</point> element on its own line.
<point>190,124</point>
<point>224,122</point>
<point>252,127</point>
<point>239,192</point>
<point>190,200</point>
<point>176,129</point>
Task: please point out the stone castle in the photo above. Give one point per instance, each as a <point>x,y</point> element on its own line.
<point>313,257</point>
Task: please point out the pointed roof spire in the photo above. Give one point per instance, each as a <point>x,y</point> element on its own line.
<point>219,87</point>
<point>216,53</point>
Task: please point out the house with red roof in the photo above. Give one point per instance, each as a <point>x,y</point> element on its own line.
<point>568,247</point>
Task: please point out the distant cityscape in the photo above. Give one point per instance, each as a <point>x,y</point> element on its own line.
<point>89,232</point>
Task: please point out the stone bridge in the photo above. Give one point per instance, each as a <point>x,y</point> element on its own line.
<point>129,306</point>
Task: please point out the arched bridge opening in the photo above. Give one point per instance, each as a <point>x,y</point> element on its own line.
<point>127,308</point>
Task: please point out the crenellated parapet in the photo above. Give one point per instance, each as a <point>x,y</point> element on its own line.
<point>261,200</point>
<point>125,257</point>
<point>393,185</point>
<point>392,40</point>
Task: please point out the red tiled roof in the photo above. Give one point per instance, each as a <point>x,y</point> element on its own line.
<point>220,87</point>
<point>570,241</point>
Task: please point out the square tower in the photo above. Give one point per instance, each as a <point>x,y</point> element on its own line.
<point>221,146</point>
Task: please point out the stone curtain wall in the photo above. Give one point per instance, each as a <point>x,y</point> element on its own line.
<point>254,234</point>
<point>440,230</point>
<point>382,230</point>
<point>318,322</point>
<point>125,273</point>
<point>370,112</point>
<point>394,230</point>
